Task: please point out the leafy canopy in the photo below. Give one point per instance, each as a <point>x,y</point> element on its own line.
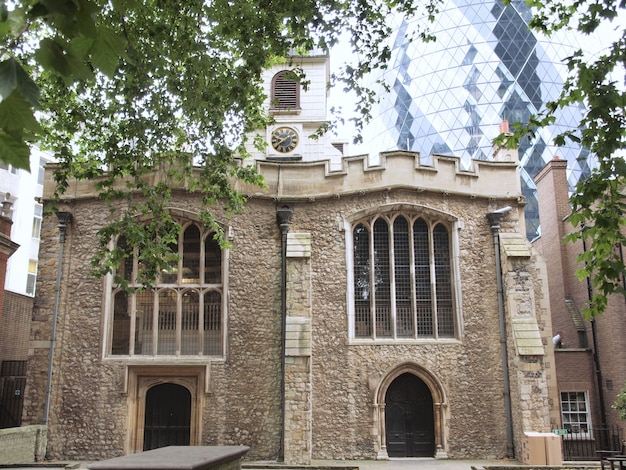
<point>119,88</point>
<point>129,87</point>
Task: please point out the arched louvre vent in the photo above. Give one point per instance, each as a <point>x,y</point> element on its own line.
<point>284,92</point>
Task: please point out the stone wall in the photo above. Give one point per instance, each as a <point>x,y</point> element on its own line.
<point>333,384</point>
<point>25,445</point>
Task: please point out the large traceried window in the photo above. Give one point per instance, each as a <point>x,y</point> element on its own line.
<point>403,278</point>
<point>183,315</point>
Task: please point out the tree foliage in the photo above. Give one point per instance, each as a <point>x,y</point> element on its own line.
<point>117,89</point>
<point>597,85</point>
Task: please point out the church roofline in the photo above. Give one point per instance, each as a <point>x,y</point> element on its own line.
<point>291,180</point>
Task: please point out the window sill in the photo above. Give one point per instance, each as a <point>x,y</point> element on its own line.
<point>286,111</point>
<point>164,360</point>
<point>401,341</point>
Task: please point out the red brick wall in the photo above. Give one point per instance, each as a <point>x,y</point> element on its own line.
<point>575,369</point>
<point>15,327</point>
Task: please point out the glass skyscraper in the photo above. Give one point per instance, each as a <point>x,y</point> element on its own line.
<point>449,96</point>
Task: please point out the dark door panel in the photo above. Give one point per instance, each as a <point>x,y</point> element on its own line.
<point>168,416</point>
<point>409,419</point>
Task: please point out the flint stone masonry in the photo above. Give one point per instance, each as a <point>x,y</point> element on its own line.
<point>334,384</point>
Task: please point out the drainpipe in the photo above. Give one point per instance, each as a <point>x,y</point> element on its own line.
<point>65,218</point>
<point>494,221</point>
<point>596,359</point>
<point>283,216</point>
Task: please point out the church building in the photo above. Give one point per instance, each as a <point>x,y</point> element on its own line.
<point>366,309</point>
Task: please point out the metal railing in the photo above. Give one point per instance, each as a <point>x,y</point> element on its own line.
<point>585,446</point>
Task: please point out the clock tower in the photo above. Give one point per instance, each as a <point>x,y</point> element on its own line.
<point>298,112</point>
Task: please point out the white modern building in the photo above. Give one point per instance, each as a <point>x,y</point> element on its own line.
<point>23,189</point>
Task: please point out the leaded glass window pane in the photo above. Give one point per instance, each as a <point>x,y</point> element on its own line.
<point>191,255</point>
<point>423,292</point>
<point>212,261</point>
<point>190,323</point>
<point>402,272</point>
<point>382,281</point>
<point>443,281</point>
<point>168,319</point>
<point>402,276</point>
<point>120,343</point>
<point>172,319</point>
<point>144,323</point>
<point>213,323</point>
<point>362,282</point>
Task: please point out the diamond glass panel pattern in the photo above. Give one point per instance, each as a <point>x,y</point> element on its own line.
<point>484,55</point>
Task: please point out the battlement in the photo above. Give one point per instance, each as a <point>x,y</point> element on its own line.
<point>396,169</point>
<point>296,180</point>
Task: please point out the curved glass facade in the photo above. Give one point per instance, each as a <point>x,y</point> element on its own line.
<point>450,96</point>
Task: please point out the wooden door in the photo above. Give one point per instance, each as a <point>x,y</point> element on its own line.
<point>409,418</point>
<point>168,416</point>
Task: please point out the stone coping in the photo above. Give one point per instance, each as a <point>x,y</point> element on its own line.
<point>174,458</point>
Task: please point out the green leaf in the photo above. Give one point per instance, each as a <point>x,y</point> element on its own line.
<point>14,77</point>
<point>14,152</point>
<point>81,46</point>
<point>65,63</point>
<point>51,56</point>
<point>107,50</point>
<point>15,22</point>
<point>85,17</point>
<point>16,116</point>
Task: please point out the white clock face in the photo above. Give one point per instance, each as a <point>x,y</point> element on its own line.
<point>284,139</point>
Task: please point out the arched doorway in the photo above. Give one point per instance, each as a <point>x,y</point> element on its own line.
<point>167,416</point>
<point>409,418</point>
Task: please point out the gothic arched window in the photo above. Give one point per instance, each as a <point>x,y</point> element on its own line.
<point>183,315</point>
<point>403,278</point>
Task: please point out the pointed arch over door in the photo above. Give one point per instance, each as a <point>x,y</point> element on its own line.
<point>409,411</point>
<point>409,418</point>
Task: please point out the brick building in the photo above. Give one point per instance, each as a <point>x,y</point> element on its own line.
<point>12,326</point>
<point>363,311</point>
<point>591,358</point>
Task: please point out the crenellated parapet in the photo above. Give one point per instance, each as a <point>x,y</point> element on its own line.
<point>298,180</point>
<point>394,170</point>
